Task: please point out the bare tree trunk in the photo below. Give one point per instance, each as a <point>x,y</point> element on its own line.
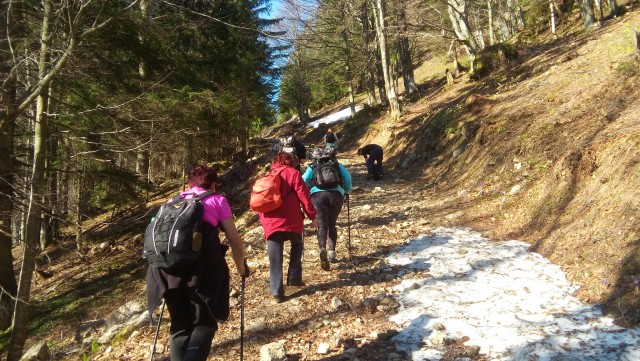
<point>394,105</point>
<point>243,136</point>
<point>47,190</point>
<point>636,41</point>
<point>347,69</point>
<point>142,160</point>
<point>598,4</point>
<point>7,167</point>
<point>79,208</point>
<point>20,320</point>
<point>509,17</point>
<point>458,14</point>
<point>380,77</point>
<point>369,55</point>
<point>492,37</point>
<point>188,156</point>
<point>302,92</point>
<point>7,277</point>
<point>586,8</point>
<point>615,10</point>
<point>53,218</point>
<point>404,51</point>
<point>453,54</point>
<point>553,19</point>
<point>8,286</point>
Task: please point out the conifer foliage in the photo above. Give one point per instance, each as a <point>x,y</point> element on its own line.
<point>102,100</point>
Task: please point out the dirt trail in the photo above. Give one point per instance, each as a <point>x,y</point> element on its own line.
<point>345,307</point>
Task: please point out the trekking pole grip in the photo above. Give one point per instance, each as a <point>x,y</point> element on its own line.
<point>246,269</point>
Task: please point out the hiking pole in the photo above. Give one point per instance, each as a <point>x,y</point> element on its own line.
<point>242,320</point>
<point>244,277</point>
<point>348,227</point>
<point>155,337</point>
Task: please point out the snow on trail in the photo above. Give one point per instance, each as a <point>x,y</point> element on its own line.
<point>333,117</point>
<point>514,304</point>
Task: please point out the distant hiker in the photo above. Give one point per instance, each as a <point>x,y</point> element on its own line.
<point>330,182</point>
<point>330,139</point>
<point>197,295</point>
<point>290,144</point>
<point>372,154</point>
<point>286,223</point>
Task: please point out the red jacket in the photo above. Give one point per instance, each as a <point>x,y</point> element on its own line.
<point>289,217</point>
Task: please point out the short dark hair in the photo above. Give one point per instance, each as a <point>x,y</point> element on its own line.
<point>286,158</point>
<point>359,151</point>
<point>202,176</point>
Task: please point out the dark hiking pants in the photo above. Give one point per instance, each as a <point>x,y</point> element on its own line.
<point>374,163</point>
<point>192,325</point>
<point>275,249</point>
<point>328,205</point>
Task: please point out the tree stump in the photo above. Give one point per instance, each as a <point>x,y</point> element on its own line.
<point>449,76</point>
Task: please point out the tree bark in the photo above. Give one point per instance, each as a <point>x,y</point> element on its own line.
<point>347,67</point>
<point>586,8</point>
<point>553,19</point>
<point>394,105</point>
<point>492,36</point>
<point>7,277</point>
<point>52,219</point>
<point>404,51</point>
<point>380,84</point>
<point>8,285</point>
<point>636,41</point>
<point>458,14</point>
<point>615,10</point>
<point>20,320</point>
<point>301,89</point>
<point>370,67</point>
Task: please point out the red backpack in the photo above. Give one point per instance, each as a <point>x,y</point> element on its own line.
<point>265,194</point>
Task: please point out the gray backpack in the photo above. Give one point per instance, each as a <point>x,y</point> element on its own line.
<point>174,239</point>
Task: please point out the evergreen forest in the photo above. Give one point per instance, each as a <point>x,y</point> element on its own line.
<point>104,105</point>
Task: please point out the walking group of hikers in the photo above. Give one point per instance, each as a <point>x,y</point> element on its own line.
<point>188,272</point>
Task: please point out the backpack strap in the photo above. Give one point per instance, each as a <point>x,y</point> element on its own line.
<point>204,195</point>
<point>200,196</point>
<point>279,170</point>
<point>290,190</point>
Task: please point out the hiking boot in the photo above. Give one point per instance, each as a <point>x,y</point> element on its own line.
<point>297,283</point>
<point>278,299</point>
<point>324,262</point>
<point>331,256</point>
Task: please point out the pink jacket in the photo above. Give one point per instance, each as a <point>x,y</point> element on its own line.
<point>289,217</point>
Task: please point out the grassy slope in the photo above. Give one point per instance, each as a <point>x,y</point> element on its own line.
<point>561,122</point>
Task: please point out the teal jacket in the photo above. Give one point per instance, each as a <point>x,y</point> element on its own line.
<point>346,181</point>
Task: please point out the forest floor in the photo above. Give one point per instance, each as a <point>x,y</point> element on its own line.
<point>552,159</point>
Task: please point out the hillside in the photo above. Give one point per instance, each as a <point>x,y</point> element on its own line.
<point>544,151</point>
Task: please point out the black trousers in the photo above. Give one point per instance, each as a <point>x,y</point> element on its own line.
<point>192,325</point>
<point>328,205</point>
<point>374,163</point>
<point>275,249</point>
